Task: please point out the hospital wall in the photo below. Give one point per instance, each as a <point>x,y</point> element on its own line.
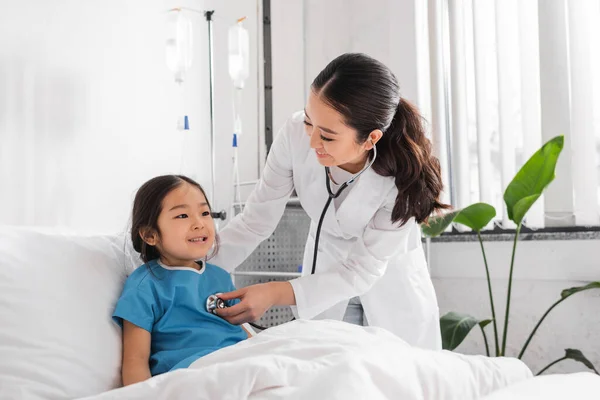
<point>389,31</point>
<point>543,268</point>
<point>88,108</point>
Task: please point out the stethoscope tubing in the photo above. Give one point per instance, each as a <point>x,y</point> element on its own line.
<point>325,208</point>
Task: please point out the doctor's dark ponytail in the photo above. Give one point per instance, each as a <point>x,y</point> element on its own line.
<point>405,153</point>
<point>367,95</point>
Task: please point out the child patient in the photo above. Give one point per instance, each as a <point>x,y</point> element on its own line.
<point>163,305</point>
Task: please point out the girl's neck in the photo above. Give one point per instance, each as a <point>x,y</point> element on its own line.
<point>181,263</point>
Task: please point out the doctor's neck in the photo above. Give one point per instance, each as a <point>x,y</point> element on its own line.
<point>355,166</point>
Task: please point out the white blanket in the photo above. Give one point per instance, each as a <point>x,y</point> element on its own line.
<point>329,360</point>
<point>579,386</point>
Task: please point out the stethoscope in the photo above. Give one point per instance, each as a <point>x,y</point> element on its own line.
<point>214,302</point>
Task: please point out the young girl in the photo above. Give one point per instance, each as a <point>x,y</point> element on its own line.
<point>163,305</point>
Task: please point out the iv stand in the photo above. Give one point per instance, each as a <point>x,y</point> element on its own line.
<point>221,214</point>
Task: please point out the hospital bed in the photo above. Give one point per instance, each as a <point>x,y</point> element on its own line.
<point>57,341</point>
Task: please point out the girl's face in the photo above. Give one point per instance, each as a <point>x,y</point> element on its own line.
<point>333,141</point>
<point>187,231</point>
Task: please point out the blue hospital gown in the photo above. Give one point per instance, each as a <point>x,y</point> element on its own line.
<point>170,303</point>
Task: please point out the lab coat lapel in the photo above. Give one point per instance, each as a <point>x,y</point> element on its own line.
<point>362,202</point>
<point>313,195</point>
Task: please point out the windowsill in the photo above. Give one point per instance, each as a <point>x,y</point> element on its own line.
<point>504,235</point>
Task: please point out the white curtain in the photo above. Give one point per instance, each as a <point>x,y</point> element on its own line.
<point>511,75</point>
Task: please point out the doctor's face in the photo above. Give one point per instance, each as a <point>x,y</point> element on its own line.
<point>333,141</point>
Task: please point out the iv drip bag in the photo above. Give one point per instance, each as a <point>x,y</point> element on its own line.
<point>178,49</point>
<point>239,54</point>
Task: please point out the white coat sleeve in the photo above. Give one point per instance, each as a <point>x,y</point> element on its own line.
<point>263,208</point>
<point>366,263</point>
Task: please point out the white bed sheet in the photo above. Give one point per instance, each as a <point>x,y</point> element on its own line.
<point>579,386</point>
<point>333,360</point>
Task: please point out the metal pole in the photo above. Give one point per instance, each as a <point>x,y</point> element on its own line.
<point>208,15</point>
<point>268,75</point>
<point>213,153</point>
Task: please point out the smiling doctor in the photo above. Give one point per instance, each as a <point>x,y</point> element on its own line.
<point>370,267</point>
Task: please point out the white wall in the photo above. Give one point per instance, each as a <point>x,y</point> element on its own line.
<point>306,36</point>
<point>88,108</point>
<point>287,51</point>
<point>542,270</point>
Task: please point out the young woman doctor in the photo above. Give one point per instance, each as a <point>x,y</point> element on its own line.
<point>370,257</point>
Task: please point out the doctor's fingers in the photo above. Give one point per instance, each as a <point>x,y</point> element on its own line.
<point>239,314</point>
<point>240,318</point>
<point>236,315</point>
<point>232,311</point>
<point>236,294</point>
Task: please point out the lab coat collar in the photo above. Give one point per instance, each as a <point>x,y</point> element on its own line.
<point>364,199</point>
<point>366,195</point>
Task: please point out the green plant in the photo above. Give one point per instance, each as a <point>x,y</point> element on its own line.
<point>522,192</point>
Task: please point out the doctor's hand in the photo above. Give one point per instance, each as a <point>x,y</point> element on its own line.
<point>255,300</point>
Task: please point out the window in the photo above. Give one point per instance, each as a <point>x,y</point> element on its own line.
<point>507,76</point>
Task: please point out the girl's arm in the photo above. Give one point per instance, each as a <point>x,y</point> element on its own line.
<point>136,354</point>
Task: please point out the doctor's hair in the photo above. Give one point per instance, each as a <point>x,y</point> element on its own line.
<point>147,207</point>
<point>367,94</point>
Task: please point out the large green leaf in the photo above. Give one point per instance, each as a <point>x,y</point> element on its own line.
<point>476,216</point>
<point>522,206</point>
<point>568,292</point>
<point>437,225</point>
<point>455,327</point>
<point>577,355</point>
<point>532,179</point>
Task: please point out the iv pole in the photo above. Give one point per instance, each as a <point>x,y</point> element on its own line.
<point>208,15</point>
<point>221,214</point>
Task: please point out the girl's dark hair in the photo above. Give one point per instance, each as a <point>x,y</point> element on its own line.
<point>147,206</point>
<point>367,95</point>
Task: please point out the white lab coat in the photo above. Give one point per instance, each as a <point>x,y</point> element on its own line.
<point>360,251</point>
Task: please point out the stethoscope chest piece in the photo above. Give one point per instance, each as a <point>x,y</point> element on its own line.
<point>213,302</point>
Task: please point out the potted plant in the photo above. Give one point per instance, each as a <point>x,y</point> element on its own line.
<point>522,192</point>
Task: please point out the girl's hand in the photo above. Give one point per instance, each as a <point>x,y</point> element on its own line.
<point>255,301</point>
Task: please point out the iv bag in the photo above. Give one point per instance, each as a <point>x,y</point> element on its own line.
<point>178,44</point>
<point>239,54</point>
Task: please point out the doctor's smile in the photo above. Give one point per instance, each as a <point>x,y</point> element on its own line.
<point>321,155</point>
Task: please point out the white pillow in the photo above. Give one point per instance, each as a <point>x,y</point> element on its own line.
<point>57,293</point>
